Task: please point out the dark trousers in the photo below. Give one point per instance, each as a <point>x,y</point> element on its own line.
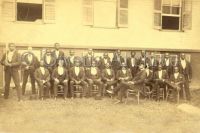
<point>65,87</point>
<point>12,73</point>
<point>43,88</point>
<point>122,88</point>
<point>25,79</point>
<point>158,86</point>
<point>82,83</point>
<point>133,71</point>
<point>95,82</point>
<point>187,88</point>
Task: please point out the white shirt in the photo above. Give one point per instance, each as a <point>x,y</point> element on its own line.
<point>108,71</point>
<point>147,72</point>
<point>133,61</point>
<point>72,59</point>
<point>30,57</point>
<point>10,55</point>
<point>60,70</point>
<point>105,60</point>
<point>160,74</point>
<point>77,70</point>
<point>183,63</point>
<point>93,71</point>
<point>57,53</point>
<point>48,59</point>
<point>124,71</point>
<point>42,70</point>
<point>152,61</point>
<point>167,62</point>
<point>176,75</point>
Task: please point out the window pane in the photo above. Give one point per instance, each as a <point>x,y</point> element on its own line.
<point>166,9</point>
<point>175,10</point>
<point>157,4</point>
<point>175,2</point>
<point>170,23</point>
<point>166,2</point>
<point>123,3</point>
<point>157,19</point>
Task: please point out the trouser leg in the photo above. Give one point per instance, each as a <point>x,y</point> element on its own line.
<point>16,79</point>
<point>33,82</point>
<point>7,83</point>
<point>72,87</point>
<point>25,79</point>
<point>65,84</point>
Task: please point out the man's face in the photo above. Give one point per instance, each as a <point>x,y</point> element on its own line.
<point>152,55</point>
<point>159,68</point>
<point>57,46</point>
<point>143,53</point>
<point>118,52</point>
<point>182,56</point>
<point>60,63</point>
<point>90,52</point>
<point>167,56</point>
<point>11,47</point>
<point>132,54</point>
<point>105,55</point>
<point>176,70</point>
<point>71,53</point>
<point>77,64</point>
<point>29,49</point>
<point>41,63</point>
<point>93,64</point>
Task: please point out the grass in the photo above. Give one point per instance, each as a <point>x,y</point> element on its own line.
<point>93,116</point>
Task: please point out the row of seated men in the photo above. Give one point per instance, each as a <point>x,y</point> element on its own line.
<point>53,70</point>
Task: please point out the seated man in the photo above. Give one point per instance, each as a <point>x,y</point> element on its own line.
<point>160,77</point>
<point>148,81</point>
<point>136,83</point>
<point>77,77</point>
<point>60,77</point>
<point>108,77</point>
<point>176,82</point>
<point>42,77</point>
<point>123,76</point>
<point>93,76</point>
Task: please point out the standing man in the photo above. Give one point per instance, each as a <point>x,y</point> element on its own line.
<point>29,63</point>
<point>70,59</point>
<point>93,76</point>
<point>57,52</point>
<point>87,60</point>
<point>104,61</point>
<point>152,63</point>
<point>143,58</point>
<point>132,63</point>
<point>117,61</point>
<point>186,70</point>
<point>77,77</point>
<point>11,61</point>
<point>42,77</point>
<point>167,64</point>
<point>60,77</point>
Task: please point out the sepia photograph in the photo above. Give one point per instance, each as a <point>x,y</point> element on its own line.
<point>99,66</point>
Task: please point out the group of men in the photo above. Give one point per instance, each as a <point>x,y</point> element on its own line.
<point>111,76</point>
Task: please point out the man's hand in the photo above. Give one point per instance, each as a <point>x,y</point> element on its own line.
<point>27,67</point>
<point>65,81</point>
<point>43,81</point>
<point>56,80</point>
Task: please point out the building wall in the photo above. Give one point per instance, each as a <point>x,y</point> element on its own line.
<point>69,29</point>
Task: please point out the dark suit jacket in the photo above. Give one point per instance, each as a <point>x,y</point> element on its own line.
<point>153,66</point>
<point>61,54</point>
<point>164,75</point>
<point>103,63</point>
<point>62,77</point>
<point>89,75</point>
<point>168,68</point>
<point>15,63</point>
<point>142,60</point>
<point>33,65</point>
<point>140,77</point>
<point>51,65</point>
<point>187,72</point>
<point>149,77</point>
<point>81,75</point>
<point>129,63</point>
<point>180,78</point>
<point>39,76</point>
<point>116,64</point>
<point>106,76</point>
<point>127,75</point>
<point>87,61</point>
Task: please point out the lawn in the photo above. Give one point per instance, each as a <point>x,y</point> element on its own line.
<point>94,116</point>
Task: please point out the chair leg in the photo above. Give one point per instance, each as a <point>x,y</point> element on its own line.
<point>127,96</point>
<point>178,97</point>
<point>138,97</point>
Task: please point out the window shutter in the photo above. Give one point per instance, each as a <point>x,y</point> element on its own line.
<point>49,14</point>
<point>9,10</point>
<point>88,12</point>
<point>157,14</point>
<point>187,15</point>
<point>122,13</point>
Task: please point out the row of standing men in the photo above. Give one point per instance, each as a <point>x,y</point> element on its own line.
<point>55,69</point>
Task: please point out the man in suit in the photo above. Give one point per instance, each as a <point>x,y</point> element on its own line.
<point>93,77</point>
<point>177,81</point>
<point>108,78</point>
<point>50,62</point>
<point>42,77</point>
<point>185,69</point>
<point>70,59</point>
<point>117,61</point>
<point>11,61</point>
<point>57,52</point>
<point>132,63</point>
<point>87,59</point>
<point>167,64</point>
<point>136,83</point>
<point>160,77</point>
<point>29,64</point>
<point>60,77</point>
<point>104,61</point>
<point>77,77</point>
<point>143,58</point>
<point>123,77</point>
<point>152,63</point>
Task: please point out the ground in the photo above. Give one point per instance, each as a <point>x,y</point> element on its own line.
<point>95,116</point>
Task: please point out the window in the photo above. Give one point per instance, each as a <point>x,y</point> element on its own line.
<point>29,10</point>
<point>105,13</point>
<point>171,14</point>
